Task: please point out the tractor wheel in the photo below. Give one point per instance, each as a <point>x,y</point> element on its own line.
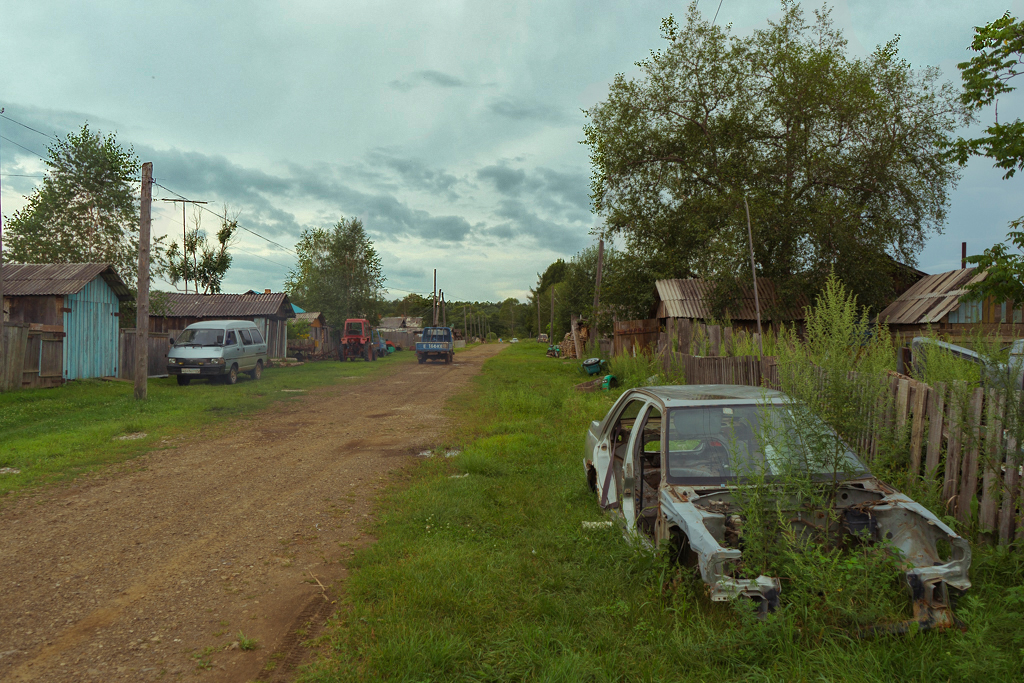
<point>183,381</point>
<point>341,353</point>
<point>367,352</point>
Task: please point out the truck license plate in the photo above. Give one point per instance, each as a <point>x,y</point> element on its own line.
<point>190,371</point>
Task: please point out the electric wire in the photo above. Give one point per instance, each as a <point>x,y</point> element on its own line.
<point>34,130</point>
<point>716,12</point>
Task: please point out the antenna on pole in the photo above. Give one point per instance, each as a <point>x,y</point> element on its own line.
<point>184,235</point>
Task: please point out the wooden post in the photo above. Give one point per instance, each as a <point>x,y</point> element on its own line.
<point>597,296</point>
<point>434,308</point>
<point>142,301</point>
<point>685,335</point>
<point>753,273</point>
<point>714,333</point>
<point>969,476</point>
<point>576,337</point>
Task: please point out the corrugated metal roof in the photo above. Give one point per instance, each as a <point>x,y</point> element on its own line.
<point>307,315</point>
<point>930,298</point>
<point>59,279</point>
<point>400,322</point>
<point>688,299</point>
<point>270,305</point>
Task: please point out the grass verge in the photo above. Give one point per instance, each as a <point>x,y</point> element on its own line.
<point>55,434</point>
<point>492,577</point>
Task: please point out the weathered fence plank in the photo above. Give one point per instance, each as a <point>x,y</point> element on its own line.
<point>917,430</point>
<point>1008,511</point>
<point>936,415</point>
<point>993,458</point>
<point>952,469</point>
<point>969,476</point>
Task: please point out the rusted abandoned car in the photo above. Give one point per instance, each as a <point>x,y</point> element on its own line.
<point>671,462</point>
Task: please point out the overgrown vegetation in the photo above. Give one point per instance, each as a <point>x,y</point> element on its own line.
<point>57,434</point>
<point>492,576</point>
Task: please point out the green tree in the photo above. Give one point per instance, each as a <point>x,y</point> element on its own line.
<point>841,158</point>
<point>85,210</point>
<point>199,263</point>
<point>338,273</point>
<point>1000,55</point>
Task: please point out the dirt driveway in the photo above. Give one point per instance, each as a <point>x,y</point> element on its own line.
<point>150,574</point>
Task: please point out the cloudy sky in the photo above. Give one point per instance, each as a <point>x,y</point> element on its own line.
<point>450,128</point>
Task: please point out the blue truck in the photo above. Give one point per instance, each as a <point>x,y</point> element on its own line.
<point>437,343</point>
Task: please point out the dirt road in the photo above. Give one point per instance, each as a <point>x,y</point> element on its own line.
<point>151,574</point>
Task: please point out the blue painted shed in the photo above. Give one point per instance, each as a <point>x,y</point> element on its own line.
<point>74,311</point>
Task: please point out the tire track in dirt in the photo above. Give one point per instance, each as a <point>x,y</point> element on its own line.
<point>152,573</point>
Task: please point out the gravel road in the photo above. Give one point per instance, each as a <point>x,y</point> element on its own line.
<point>151,570</point>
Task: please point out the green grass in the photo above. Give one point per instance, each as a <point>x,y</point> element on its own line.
<point>491,577</point>
<point>56,434</point>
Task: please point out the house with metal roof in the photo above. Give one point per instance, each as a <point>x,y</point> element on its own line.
<point>319,330</point>
<point>70,313</point>
<point>933,302</point>
<point>270,311</point>
<point>691,299</point>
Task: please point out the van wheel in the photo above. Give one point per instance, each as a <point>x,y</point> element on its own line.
<point>232,376</point>
<point>183,381</point>
<point>257,371</point>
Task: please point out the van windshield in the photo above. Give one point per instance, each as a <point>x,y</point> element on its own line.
<point>200,337</point>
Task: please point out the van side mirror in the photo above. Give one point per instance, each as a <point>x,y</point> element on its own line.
<point>172,341</point>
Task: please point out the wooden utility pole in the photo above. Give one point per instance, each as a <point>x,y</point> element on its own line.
<point>434,323</point>
<point>465,324</point>
<point>142,301</point>
<point>444,311</point>
<point>753,272</point>
<point>536,300</point>
<point>597,296</point>
<point>551,330</point>
<point>184,232</point>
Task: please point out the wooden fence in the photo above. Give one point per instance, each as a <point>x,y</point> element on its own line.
<point>33,357</point>
<point>159,347</point>
<point>635,336</point>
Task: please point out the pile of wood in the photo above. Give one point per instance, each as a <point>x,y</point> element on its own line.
<point>568,344</point>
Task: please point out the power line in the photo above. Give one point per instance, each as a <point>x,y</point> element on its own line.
<point>20,175</point>
<point>41,157</point>
<point>251,232</point>
<point>716,13</point>
<point>34,130</point>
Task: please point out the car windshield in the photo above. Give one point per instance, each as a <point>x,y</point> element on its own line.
<point>200,337</point>
<point>715,443</point>
<point>435,334</point>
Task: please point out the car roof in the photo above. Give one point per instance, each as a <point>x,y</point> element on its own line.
<point>220,324</point>
<point>682,395</point>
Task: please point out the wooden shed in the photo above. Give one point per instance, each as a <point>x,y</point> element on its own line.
<point>319,331</point>
<point>934,303</point>
<point>269,311</point>
<point>690,299</point>
<point>72,311</point>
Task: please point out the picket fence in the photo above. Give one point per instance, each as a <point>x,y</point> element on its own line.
<point>954,434</point>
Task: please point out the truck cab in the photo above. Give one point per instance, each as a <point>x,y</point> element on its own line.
<point>437,343</point>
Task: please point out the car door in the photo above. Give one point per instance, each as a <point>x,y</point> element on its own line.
<point>232,349</point>
<point>612,451</point>
<point>259,345</point>
<point>646,448</point>
<point>248,349</point>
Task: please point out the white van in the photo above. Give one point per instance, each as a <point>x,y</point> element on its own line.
<point>217,350</point>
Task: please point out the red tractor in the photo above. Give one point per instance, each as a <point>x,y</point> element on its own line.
<point>355,341</point>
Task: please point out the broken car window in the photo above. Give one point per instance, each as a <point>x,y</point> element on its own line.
<point>729,442</point>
